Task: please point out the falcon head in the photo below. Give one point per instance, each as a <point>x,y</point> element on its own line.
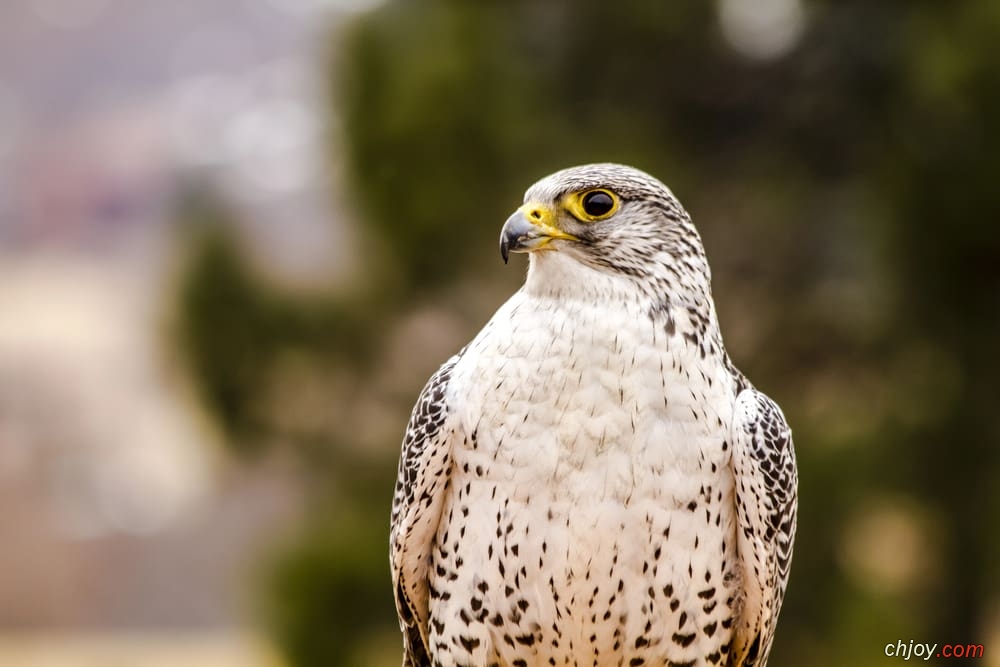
<point>611,218</point>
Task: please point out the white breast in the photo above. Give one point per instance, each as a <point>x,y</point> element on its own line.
<point>554,391</point>
<point>591,476</point>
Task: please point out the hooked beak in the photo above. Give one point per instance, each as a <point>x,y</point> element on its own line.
<point>531,227</point>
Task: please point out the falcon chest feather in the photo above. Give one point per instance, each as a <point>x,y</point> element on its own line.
<point>597,451</point>
<point>558,390</point>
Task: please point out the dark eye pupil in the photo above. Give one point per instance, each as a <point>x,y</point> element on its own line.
<point>598,203</point>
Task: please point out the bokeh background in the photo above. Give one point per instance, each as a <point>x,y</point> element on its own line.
<point>237,236</point>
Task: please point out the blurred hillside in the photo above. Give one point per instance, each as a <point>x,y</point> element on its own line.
<point>838,158</point>
<point>129,536</point>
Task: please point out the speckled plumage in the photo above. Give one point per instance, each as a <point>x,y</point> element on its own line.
<point>591,481</point>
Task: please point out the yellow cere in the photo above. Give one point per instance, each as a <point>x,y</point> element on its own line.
<point>543,217</point>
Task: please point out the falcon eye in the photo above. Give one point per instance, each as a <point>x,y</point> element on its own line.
<point>597,203</point>
<point>594,205</point>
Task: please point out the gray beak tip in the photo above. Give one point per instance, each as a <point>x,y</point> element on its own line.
<point>514,235</point>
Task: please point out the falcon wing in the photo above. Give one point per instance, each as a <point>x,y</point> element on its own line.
<point>424,469</point>
<point>766,501</point>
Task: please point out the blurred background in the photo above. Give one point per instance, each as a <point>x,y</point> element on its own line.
<point>228,262</point>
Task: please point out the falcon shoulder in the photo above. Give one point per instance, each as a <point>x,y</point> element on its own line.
<point>424,476</point>
<point>766,501</point>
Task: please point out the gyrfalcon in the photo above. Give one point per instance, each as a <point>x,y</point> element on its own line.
<point>591,481</point>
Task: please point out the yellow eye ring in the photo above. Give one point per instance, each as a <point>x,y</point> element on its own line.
<point>593,205</point>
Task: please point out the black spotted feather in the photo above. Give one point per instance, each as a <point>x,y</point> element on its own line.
<point>424,468</point>
<point>766,501</point>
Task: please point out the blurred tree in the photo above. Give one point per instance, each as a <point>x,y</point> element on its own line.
<point>946,252</point>
<point>845,193</point>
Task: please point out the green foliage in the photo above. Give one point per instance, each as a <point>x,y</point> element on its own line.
<point>422,135</point>
<point>226,328</point>
<point>846,196</point>
<point>236,329</point>
<point>325,592</point>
